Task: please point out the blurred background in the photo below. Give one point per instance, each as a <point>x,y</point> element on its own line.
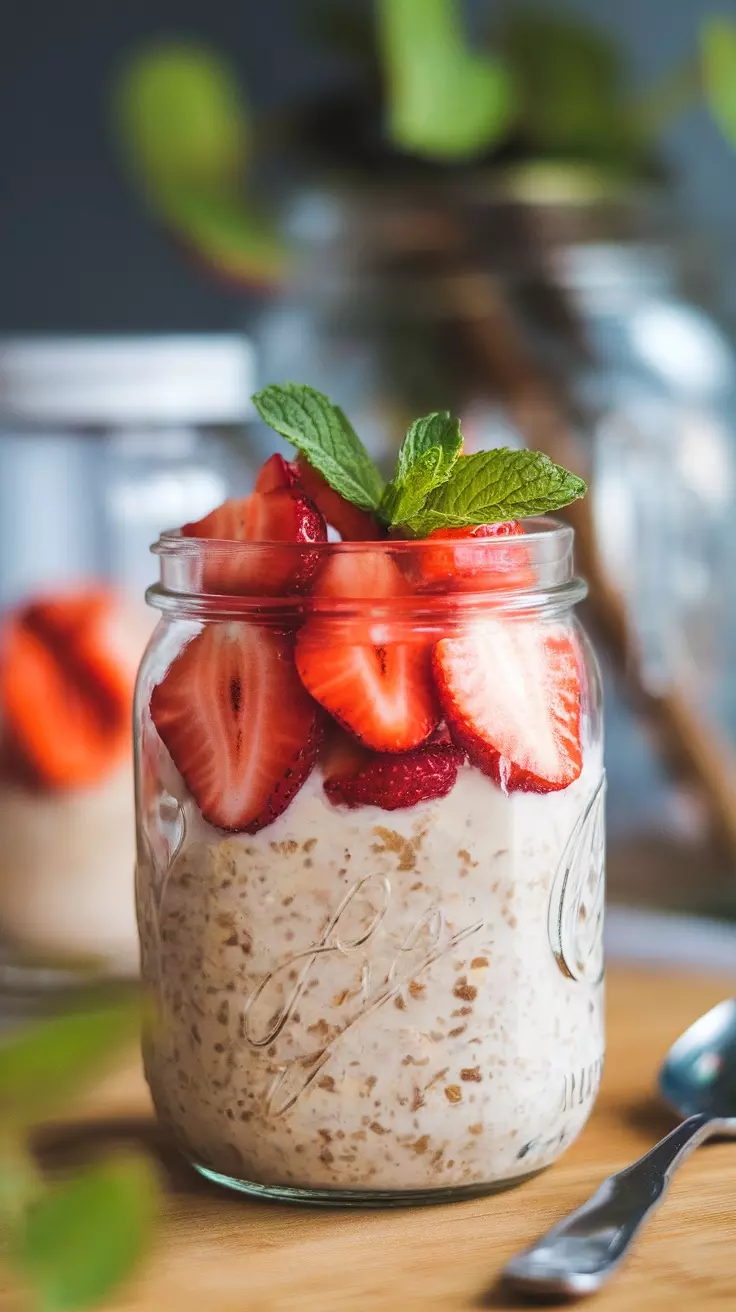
<point>522,212</point>
<point>77,254</point>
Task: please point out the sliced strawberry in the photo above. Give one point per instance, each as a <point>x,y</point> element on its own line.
<point>283,515</point>
<point>352,523</point>
<point>380,690</point>
<point>395,782</point>
<point>274,474</point>
<point>510,691</point>
<point>460,563</point>
<point>65,691</point>
<point>238,724</point>
<point>63,616</point>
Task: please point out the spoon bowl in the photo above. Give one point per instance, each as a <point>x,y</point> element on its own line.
<point>699,1072</point>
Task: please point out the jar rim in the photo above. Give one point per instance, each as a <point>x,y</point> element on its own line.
<point>493,577</point>
<point>545,528</point>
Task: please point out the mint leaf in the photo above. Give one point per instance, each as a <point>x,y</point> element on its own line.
<point>325,436</point>
<point>426,457</point>
<point>403,500</point>
<point>494,486</point>
<point>84,1237</point>
<point>435,430</point>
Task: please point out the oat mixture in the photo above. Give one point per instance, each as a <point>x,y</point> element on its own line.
<point>363,1000</point>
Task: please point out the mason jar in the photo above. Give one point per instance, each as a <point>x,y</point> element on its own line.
<point>377,974</point>
<point>101,441</point>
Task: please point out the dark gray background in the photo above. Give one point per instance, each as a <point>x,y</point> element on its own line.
<point>76,251</point>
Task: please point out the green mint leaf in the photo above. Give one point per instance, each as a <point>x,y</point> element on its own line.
<point>44,1064</point>
<point>84,1237</point>
<point>494,486</point>
<point>325,436</point>
<point>425,461</point>
<point>435,430</point>
<point>403,500</point>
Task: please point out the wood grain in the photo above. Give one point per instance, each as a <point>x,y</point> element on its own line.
<point>217,1253</point>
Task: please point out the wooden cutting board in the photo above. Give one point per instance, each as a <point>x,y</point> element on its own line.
<point>217,1253</point>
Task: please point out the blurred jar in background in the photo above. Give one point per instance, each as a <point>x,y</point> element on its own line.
<point>102,442</point>
<point>551,312</point>
<point>652,373</point>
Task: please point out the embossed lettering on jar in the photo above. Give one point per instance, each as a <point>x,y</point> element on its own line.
<point>383,980</point>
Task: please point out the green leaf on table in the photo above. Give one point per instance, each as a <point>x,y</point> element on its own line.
<point>425,460</point>
<point>181,116</point>
<point>324,434</point>
<point>445,101</point>
<point>85,1236</point>
<point>569,76</point>
<point>45,1063</point>
<point>718,50</point>
<point>494,486</point>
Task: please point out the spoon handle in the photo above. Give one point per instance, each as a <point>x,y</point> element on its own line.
<point>578,1255</point>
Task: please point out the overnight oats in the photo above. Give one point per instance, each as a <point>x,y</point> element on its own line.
<point>68,660</point>
<point>370,823</point>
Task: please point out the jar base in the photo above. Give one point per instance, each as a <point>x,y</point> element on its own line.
<point>361,1197</point>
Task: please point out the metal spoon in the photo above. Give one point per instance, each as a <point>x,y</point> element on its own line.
<point>698,1080</point>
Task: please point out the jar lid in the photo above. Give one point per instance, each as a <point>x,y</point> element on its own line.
<point>127,380</point>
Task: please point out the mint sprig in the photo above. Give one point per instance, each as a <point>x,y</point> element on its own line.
<point>324,434</point>
<point>432,488</point>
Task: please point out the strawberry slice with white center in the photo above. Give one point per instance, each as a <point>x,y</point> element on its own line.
<point>282,515</point>
<point>378,688</point>
<point>511,694</point>
<point>238,724</point>
<point>457,559</point>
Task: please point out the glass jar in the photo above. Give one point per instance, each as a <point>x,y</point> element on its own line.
<point>101,441</point>
<point>382,982</point>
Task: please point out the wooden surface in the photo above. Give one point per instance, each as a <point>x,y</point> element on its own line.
<point>217,1253</point>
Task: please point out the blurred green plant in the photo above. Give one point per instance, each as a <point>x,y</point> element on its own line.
<point>571,90</point>
<point>69,1242</point>
<point>444,101</point>
<point>543,89</point>
<point>186,133</point>
<point>718,47</point>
